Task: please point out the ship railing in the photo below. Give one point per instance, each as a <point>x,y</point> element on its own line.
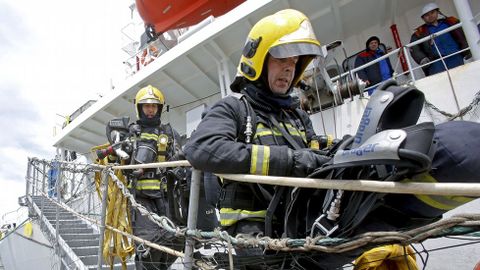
<point>451,189</point>
<point>191,233</point>
<point>411,64</point>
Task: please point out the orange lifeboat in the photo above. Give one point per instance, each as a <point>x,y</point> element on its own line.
<point>165,15</point>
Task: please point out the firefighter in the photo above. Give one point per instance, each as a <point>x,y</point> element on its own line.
<point>260,130</point>
<point>155,142</point>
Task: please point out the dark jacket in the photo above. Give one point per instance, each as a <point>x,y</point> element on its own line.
<point>424,49</point>
<point>150,136</point>
<point>218,145</point>
<point>214,146</point>
<point>371,73</point>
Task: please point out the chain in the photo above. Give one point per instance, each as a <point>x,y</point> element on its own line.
<point>461,113</point>
<point>459,224</point>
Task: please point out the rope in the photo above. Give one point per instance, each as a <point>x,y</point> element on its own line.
<point>322,244</point>
<point>117,216</point>
<point>456,225</point>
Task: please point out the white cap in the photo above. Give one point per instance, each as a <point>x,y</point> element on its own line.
<point>428,7</point>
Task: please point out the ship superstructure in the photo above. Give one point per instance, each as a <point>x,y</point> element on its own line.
<point>194,68</point>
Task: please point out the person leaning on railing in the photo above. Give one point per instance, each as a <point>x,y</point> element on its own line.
<point>447,43</point>
<point>375,73</point>
<point>260,130</point>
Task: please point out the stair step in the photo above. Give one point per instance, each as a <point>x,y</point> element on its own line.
<point>53,213</point>
<point>53,210</point>
<point>75,226</point>
<point>80,236</point>
<point>68,223</point>
<point>66,230</point>
<point>84,251</point>
<point>61,217</point>
<point>89,260</point>
<point>82,243</point>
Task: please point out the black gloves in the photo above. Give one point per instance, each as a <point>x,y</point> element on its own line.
<point>305,161</point>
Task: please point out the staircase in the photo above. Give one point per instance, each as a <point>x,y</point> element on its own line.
<point>81,240</point>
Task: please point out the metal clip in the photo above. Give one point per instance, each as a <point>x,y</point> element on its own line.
<point>149,175</point>
<point>324,225</point>
<point>222,194</point>
<point>248,129</point>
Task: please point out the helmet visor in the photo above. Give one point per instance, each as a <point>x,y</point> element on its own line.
<point>295,49</point>
<point>149,101</point>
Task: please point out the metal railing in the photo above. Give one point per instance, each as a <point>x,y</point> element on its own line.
<point>405,50</point>
<point>460,189</point>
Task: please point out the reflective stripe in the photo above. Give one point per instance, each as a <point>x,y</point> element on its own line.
<point>229,216</point>
<point>439,202</point>
<point>260,160</point>
<point>149,136</point>
<point>263,131</point>
<point>151,184</point>
<point>294,132</point>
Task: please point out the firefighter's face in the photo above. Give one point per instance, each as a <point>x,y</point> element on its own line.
<point>150,110</point>
<point>280,73</point>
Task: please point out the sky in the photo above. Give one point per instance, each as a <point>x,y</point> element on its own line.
<point>55,55</point>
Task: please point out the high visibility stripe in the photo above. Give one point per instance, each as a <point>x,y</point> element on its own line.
<point>294,132</point>
<point>439,202</point>
<point>229,216</point>
<point>151,184</point>
<point>149,136</point>
<point>260,160</point>
<point>304,136</point>
<point>263,131</point>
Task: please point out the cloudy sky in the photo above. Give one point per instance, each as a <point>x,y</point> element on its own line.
<point>54,56</point>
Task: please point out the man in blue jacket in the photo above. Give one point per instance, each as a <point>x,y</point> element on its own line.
<point>375,73</point>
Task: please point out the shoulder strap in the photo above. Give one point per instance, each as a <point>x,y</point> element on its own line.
<point>285,134</point>
<point>248,119</point>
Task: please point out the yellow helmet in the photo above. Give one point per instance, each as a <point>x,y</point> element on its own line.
<point>284,34</point>
<point>149,95</point>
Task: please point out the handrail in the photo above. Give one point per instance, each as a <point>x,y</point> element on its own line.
<point>454,189</point>
<point>463,189</point>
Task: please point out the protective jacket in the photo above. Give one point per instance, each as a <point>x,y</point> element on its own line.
<point>373,73</point>
<point>155,143</point>
<point>425,49</point>
<point>220,145</point>
<point>160,140</point>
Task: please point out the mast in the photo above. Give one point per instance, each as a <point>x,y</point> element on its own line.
<point>469,27</point>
